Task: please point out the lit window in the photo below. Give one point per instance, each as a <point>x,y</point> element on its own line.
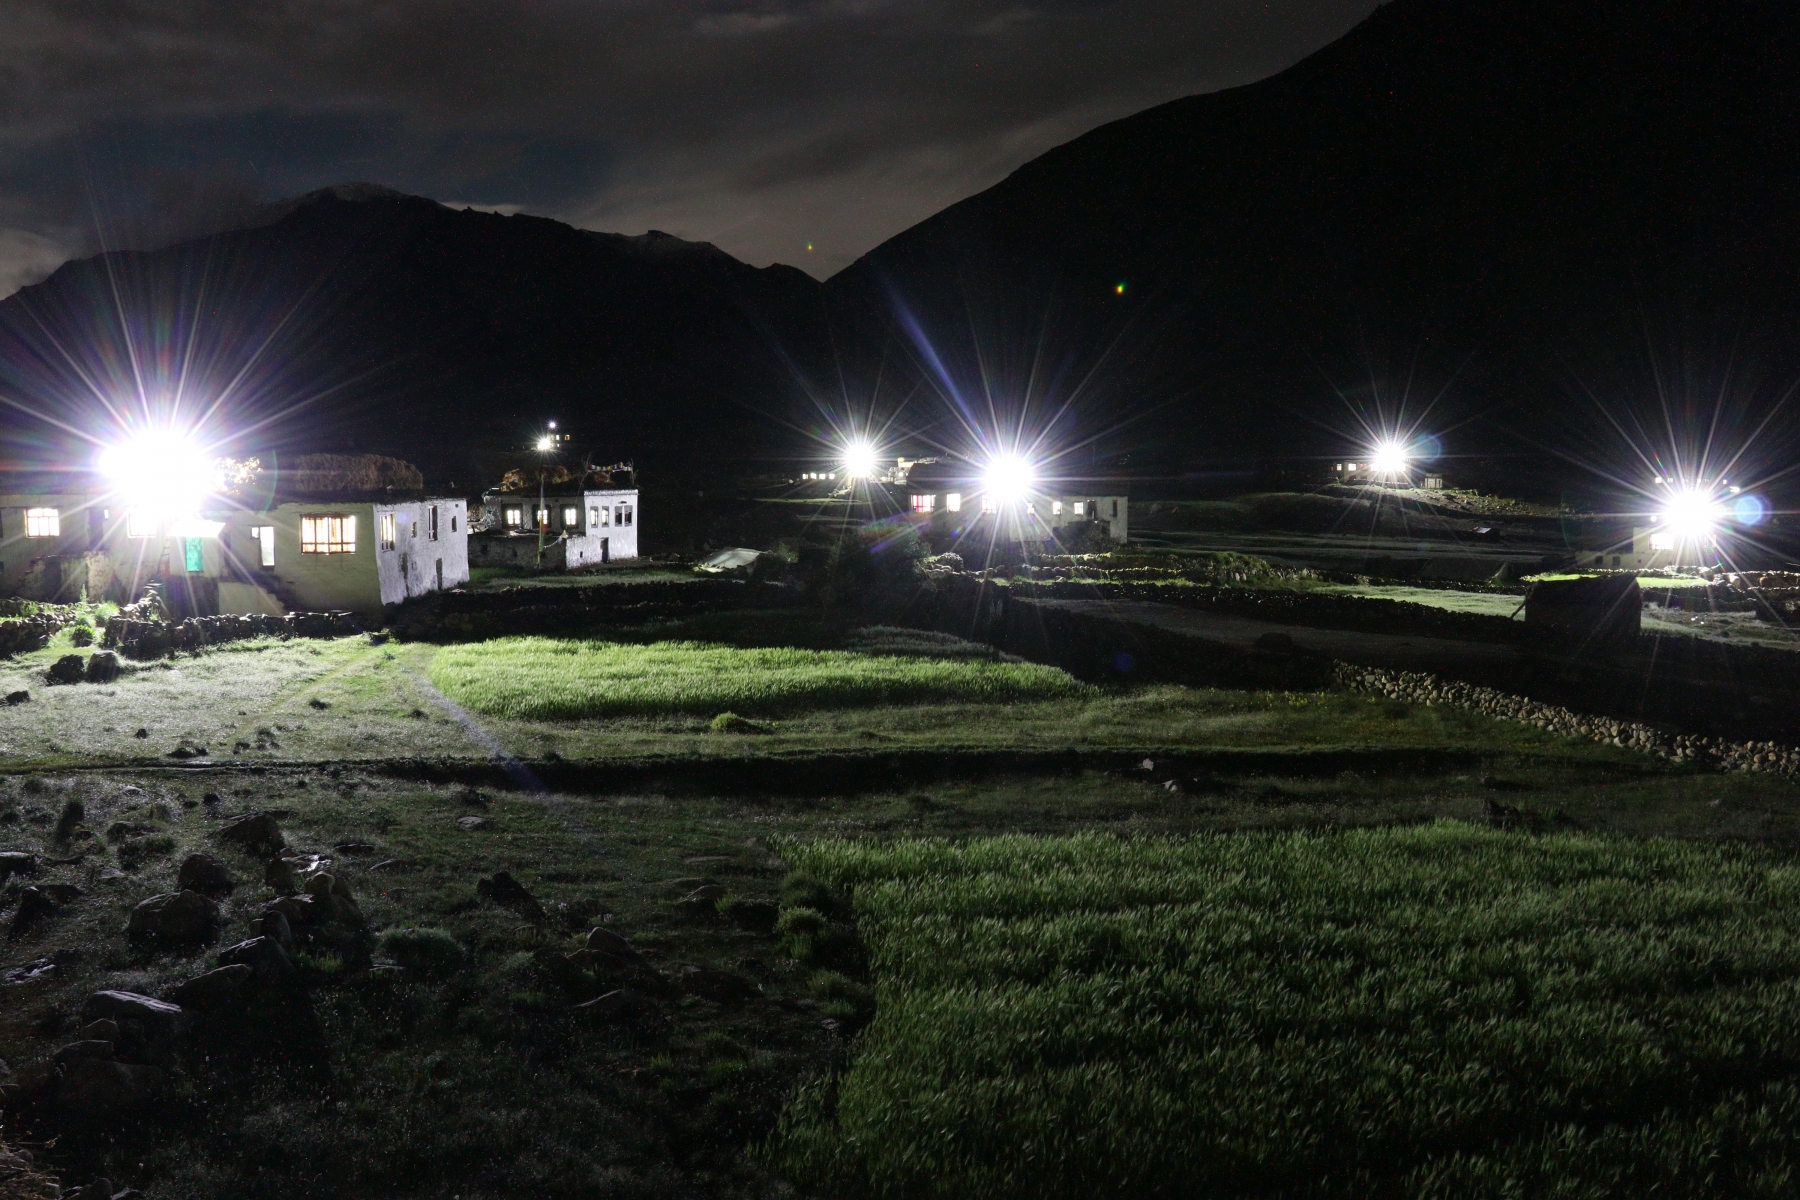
<point>193,556</point>
<point>593,517</point>
<point>264,536</point>
<point>989,504</point>
<point>1076,509</point>
<point>387,531</point>
<point>1662,541</point>
<point>924,504</point>
<point>514,517</point>
<point>43,522</point>
<point>328,535</point>
<point>1351,467</point>
<point>140,524</point>
<point>953,502</point>
<point>541,518</point>
<point>605,517</point>
<point>1056,508</point>
<point>431,523</point>
<point>571,517</point>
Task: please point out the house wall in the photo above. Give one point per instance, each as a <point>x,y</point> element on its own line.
<point>417,564</point>
<point>26,563</point>
<point>1041,515</point>
<point>604,529</point>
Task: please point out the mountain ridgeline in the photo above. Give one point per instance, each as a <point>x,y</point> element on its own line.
<point>1519,223</point>
<point>362,319</point>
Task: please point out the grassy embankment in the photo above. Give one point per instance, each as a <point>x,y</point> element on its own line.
<point>1437,1011</point>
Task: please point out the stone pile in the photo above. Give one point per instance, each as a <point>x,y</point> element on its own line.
<point>1719,753</point>
<point>26,634</point>
<point>119,1062</point>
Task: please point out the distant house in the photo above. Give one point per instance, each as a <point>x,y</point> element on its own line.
<point>953,497</point>
<point>580,528</point>
<point>316,553</point>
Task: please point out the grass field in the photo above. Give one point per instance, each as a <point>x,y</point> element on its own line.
<point>1432,1011</point>
<point>547,679</point>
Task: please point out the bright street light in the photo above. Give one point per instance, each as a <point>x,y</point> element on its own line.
<point>1008,478</point>
<point>546,443</point>
<point>1389,459</point>
<point>159,473</point>
<point>1692,514</point>
<point>859,460</point>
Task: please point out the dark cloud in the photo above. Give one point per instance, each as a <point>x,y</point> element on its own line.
<point>762,126</point>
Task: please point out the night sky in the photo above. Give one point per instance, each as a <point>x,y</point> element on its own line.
<point>781,130</point>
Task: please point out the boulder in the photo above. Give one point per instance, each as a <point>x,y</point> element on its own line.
<point>204,874</point>
<point>18,697</point>
<point>213,990</point>
<point>507,892</point>
<point>326,883</point>
<point>89,1048</point>
<point>98,1088</point>
<point>262,955</point>
<point>475,824</point>
<point>258,833</point>
<point>70,668</point>
<point>159,1020</point>
<point>17,862</point>
<point>607,942</point>
<point>176,918</point>
<point>273,925</point>
<point>102,667</point>
<point>30,1082</point>
<point>280,875</point>
<point>35,903</point>
<point>105,1030</point>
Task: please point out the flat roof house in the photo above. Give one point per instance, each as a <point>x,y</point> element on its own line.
<point>1058,509</point>
<point>309,553</point>
<point>580,529</point>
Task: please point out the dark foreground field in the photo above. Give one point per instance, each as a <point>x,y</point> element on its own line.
<point>1005,933</point>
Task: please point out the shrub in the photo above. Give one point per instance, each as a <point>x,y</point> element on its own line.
<point>133,853</point>
<point>423,951</point>
<point>842,997</point>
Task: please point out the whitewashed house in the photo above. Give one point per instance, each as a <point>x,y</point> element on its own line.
<point>580,529</point>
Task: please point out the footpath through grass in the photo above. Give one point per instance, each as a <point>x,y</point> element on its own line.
<point>1432,1011</point>
<point>547,679</point>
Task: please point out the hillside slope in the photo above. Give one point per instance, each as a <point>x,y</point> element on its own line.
<point>1512,201</point>
<point>364,319</point>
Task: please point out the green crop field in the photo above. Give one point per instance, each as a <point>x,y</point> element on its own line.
<point>1429,1011</point>
<point>548,679</point>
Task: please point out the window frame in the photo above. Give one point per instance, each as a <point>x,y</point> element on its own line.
<point>43,522</point>
<point>339,538</point>
<point>389,530</point>
<point>571,516</point>
<point>140,525</point>
<point>264,537</point>
<point>512,516</point>
<point>952,501</point>
<point>924,502</point>
<point>431,523</point>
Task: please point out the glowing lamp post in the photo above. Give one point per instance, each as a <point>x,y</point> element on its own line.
<point>1388,461</point>
<point>1691,516</point>
<point>1007,479</point>
<point>859,460</point>
<point>544,445</point>
<point>161,475</point>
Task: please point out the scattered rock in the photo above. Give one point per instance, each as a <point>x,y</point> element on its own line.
<point>508,892</point>
<point>35,904</point>
<point>472,798</point>
<point>475,824</point>
<point>90,1048</point>
<point>118,831</point>
<point>102,667</point>
<point>204,874</point>
<point>212,798</point>
<point>214,990</point>
<point>354,848</point>
<point>17,862</point>
<point>258,833</point>
<point>389,866</point>
<point>721,987</point>
<point>105,1029</point>
<point>68,821</point>
<point>608,942</point>
<point>273,924</point>
<point>188,749</point>
<point>68,669</point>
<point>97,1089</point>
<point>154,1020</point>
<point>315,702</point>
<point>141,733</point>
<point>176,918</point>
<point>19,697</point>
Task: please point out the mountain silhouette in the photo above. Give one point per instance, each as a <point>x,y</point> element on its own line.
<point>357,318</point>
<point>1512,223</point>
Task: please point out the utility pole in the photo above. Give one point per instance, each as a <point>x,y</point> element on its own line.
<point>546,444</point>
